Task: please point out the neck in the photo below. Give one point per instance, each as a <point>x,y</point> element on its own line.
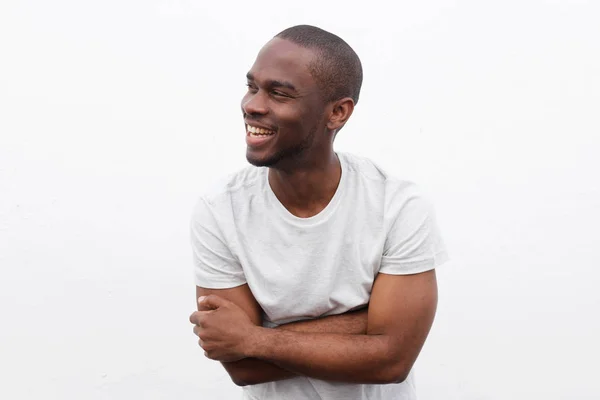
<point>305,191</point>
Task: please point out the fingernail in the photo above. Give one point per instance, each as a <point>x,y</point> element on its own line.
<point>201,298</point>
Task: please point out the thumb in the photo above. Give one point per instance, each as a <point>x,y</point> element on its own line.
<point>211,302</point>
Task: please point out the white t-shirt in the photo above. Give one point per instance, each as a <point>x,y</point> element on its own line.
<point>304,268</point>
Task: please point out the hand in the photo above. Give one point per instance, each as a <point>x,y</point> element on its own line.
<point>224,329</point>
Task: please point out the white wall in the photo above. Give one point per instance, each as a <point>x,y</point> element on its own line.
<point>114,114</point>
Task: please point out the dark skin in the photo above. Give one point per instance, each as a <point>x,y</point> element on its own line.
<point>282,94</point>
<point>304,173</point>
<point>250,371</point>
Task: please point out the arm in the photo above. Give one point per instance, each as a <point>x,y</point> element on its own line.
<point>251,371</point>
<point>351,322</point>
<point>400,316</point>
<point>216,267</point>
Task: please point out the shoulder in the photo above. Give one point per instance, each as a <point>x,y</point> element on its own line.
<point>397,191</point>
<point>373,174</point>
<point>222,191</point>
<point>363,167</point>
<point>245,179</point>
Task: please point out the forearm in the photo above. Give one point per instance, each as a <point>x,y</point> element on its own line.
<point>353,322</point>
<point>252,371</point>
<point>334,357</point>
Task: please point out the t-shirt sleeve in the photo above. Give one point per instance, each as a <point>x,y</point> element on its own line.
<point>413,243</point>
<point>214,265</point>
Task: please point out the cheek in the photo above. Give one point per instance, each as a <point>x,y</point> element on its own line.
<point>307,121</point>
<point>293,116</point>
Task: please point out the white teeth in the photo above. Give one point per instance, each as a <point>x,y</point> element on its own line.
<point>258,131</point>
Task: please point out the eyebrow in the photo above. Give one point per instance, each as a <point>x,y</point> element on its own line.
<point>273,83</point>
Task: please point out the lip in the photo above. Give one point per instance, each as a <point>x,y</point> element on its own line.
<point>257,141</point>
<point>256,125</point>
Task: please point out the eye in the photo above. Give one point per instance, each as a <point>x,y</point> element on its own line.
<point>251,87</point>
<point>278,93</point>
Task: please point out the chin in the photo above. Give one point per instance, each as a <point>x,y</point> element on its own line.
<point>259,161</point>
<point>274,159</point>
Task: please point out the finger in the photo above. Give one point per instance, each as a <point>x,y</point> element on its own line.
<point>212,302</point>
<point>194,317</point>
<point>203,306</point>
<point>210,354</point>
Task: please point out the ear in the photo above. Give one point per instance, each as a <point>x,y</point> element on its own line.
<point>340,113</point>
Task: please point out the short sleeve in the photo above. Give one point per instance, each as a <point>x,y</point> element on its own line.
<point>413,243</point>
<point>214,265</point>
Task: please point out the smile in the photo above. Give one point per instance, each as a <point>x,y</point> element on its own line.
<point>254,131</point>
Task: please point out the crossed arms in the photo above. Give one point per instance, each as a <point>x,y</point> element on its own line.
<point>378,345</point>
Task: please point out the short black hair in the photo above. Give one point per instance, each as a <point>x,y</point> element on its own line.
<point>337,68</point>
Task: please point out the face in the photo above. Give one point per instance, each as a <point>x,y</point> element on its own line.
<point>283,110</point>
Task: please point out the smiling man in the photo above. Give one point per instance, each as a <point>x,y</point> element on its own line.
<point>315,269</point>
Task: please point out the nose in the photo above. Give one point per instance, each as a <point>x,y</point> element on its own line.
<point>254,104</point>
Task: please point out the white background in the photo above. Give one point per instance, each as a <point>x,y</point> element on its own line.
<point>115,114</point>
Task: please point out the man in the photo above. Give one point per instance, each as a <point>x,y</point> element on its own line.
<point>315,272</point>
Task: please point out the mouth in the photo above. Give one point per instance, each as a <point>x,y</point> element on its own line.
<point>256,136</point>
<point>256,131</point>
